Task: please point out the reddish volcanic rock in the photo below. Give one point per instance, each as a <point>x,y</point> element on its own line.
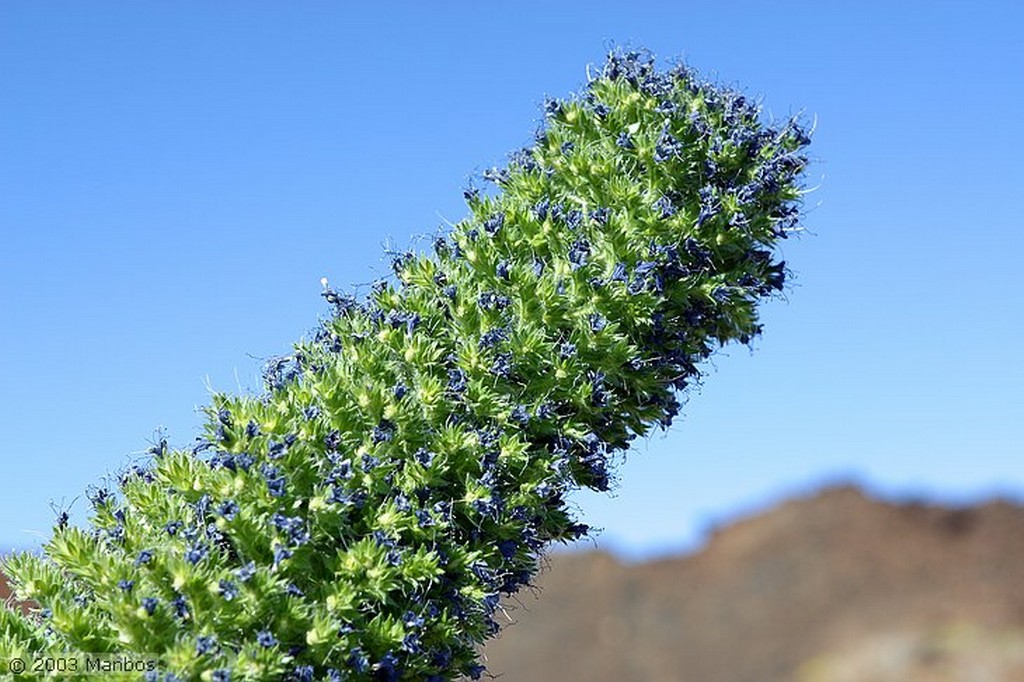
<point>831,580</point>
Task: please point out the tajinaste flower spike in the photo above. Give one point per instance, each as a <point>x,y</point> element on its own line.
<point>406,467</point>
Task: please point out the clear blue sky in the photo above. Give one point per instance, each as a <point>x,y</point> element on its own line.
<point>175,179</point>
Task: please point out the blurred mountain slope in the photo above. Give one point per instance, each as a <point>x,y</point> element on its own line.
<point>831,588</point>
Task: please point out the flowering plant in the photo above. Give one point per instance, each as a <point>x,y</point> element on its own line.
<point>407,465</point>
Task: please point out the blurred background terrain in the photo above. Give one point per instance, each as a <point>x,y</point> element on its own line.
<point>832,587</point>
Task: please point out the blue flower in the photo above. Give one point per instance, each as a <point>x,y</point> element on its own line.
<point>523,158</point>
<point>343,304</point>
<point>540,209</point>
<point>276,486</point>
<point>596,467</point>
<point>493,224</point>
<point>228,509</point>
<point>507,548</point>
<point>206,644</point>
<point>342,471</point>
<point>502,269</point>
<point>126,585</point>
<point>457,380</point>
<point>520,415</point>
<point>490,300</point>
<point>144,557</point>
<point>228,589</point>
<point>302,673</point>
<point>135,471</point>
<point>339,496</point>
<point>502,365</point>
<point>245,573</point>
<point>221,675</point>
<point>667,147</point>
<point>579,253</point>
<point>624,141</point>
<point>666,106</point>
<point>401,261</point>
<point>266,639</point>
<point>281,553</point>
<point>150,604</point>
<point>776,276</point>
<point>195,553</point>
<point>387,667</point>
<point>665,207</point>
<point>493,337</point>
<point>411,643</point>
<point>99,497</point>
<point>600,216</point>
<point>577,530</point>
<point>424,457</point>
<point>383,432</point>
<point>223,460</point>
<point>498,176</point>
<point>440,246</point>
<point>202,506</point>
<point>180,606</point>
<point>294,527</point>
<point>358,660</point>
<point>278,373</point>
<point>557,211</point>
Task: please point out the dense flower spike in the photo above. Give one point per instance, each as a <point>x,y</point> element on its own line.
<point>406,466</point>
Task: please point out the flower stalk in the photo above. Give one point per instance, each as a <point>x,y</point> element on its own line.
<point>407,465</point>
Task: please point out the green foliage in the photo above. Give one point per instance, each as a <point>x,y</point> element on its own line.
<point>408,465</point>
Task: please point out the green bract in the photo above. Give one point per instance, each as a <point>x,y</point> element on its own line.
<point>406,466</point>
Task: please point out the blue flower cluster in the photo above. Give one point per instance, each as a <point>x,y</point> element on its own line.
<point>406,467</point>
